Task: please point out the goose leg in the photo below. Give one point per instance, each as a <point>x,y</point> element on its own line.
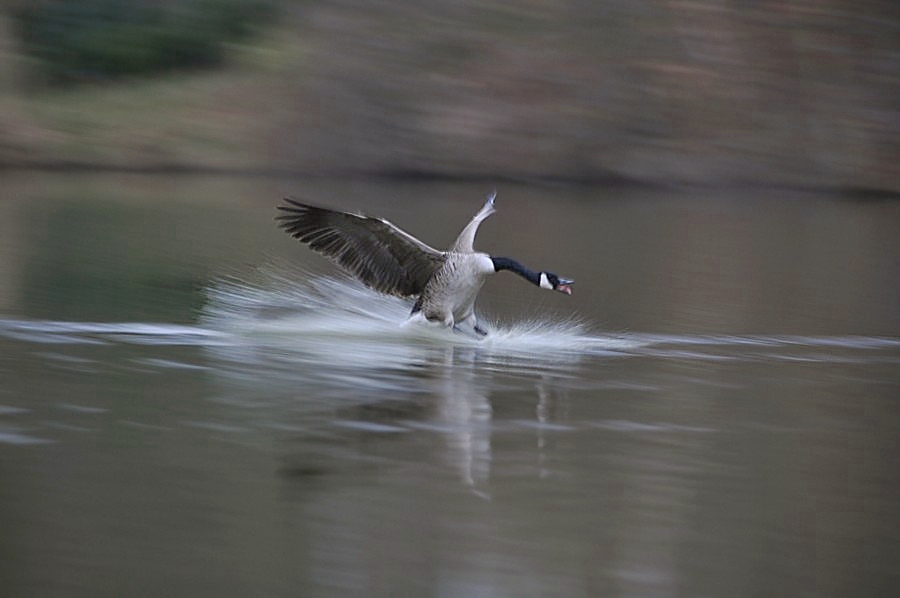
<point>435,321</point>
<point>470,326</point>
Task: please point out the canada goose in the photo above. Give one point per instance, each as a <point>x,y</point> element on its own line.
<point>392,261</point>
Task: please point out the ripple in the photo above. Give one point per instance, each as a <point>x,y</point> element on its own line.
<point>14,436</point>
<point>82,408</point>
<point>342,333</point>
<point>99,333</point>
<point>364,426</point>
<point>6,410</point>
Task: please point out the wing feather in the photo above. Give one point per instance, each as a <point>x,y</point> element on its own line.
<point>381,255</point>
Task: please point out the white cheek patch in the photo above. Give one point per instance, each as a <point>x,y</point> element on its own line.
<point>545,282</point>
<point>485,264</point>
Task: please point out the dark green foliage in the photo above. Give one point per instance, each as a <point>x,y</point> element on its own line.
<point>89,40</point>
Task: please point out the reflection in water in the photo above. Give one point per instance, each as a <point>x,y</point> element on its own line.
<point>350,351</point>
<point>297,440</point>
<point>462,408</point>
<point>628,451</point>
<point>334,338</point>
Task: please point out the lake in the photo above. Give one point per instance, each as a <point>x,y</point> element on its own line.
<point>194,404</point>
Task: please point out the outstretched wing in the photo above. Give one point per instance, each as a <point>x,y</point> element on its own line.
<point>378,253</point>
<point>465,243</point>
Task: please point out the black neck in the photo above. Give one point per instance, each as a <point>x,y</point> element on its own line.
<point>504,263</point>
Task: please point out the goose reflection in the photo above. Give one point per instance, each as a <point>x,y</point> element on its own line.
<point>462,404</point>
<point>338,375</point>
<point>347,414</point>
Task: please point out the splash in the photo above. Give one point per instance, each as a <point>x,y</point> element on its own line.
<point>302,308</point>
<point>285,317</point>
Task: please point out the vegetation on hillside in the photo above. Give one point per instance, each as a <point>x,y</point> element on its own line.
<point>95,40</point>
<point>713,91</point>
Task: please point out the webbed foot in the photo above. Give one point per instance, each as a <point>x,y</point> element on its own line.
<point>478,332</point>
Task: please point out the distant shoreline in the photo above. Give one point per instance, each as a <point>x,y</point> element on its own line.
<point>611,180</point>
<point>330,92</point>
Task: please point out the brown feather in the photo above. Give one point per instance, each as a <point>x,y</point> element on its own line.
<point>381,255</point>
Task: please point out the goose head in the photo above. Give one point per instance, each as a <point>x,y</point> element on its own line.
<point>552,282</point>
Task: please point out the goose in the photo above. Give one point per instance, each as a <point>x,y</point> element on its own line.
<point>391,261</point>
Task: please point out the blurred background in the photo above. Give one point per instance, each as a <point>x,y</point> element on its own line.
<point>193,404</point>
<point>796,92</point>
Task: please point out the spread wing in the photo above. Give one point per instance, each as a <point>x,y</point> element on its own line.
<point>465,243</point>
<point>378,253</point>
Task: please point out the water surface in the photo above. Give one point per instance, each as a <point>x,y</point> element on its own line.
<point>194,404</point>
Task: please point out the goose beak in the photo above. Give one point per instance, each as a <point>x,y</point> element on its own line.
<point>565,286</point>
